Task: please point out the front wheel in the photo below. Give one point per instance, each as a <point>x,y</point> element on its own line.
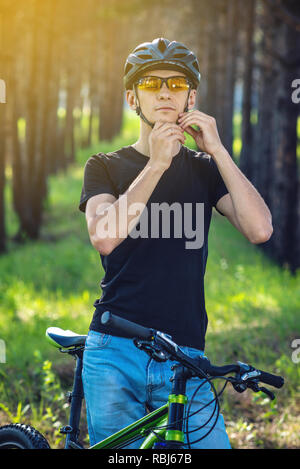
<point>18,436</point>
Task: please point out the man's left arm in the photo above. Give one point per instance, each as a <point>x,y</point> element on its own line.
<point>243,206</point>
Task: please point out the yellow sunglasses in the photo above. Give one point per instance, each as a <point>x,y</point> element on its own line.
<point>152,83</point>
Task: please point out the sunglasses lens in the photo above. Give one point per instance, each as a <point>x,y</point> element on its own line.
<point>149,83</point>
<point>178,84</point>
<point>154,83</point>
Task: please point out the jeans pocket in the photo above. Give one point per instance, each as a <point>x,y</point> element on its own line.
<point>97,340</point>
<point>194,353</point>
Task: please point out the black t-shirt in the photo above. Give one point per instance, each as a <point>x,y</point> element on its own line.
<point>157,281</point>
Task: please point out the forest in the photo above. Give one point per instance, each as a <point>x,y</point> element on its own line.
<point>62,100</point>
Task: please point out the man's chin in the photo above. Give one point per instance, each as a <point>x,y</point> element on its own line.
<point>169,119</point>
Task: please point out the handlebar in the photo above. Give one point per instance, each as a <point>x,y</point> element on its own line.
<point>273,380</point>
<point>247,373</point>
<point>128,328</point>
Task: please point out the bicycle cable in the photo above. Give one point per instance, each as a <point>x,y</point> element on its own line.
<point>185,419</point>
<point>188,416</point>
<point>206,405</point>
<point>217,405</point>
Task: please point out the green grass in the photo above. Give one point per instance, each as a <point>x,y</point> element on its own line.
<point>252,304</point>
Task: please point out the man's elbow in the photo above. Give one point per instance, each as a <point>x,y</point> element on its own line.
<point>102,244</point>
<point>103,247</point>
<point>262,236</point>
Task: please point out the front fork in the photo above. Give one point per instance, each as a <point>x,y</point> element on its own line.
<point>174,437</point>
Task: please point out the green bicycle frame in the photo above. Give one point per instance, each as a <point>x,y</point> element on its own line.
<point>159,418</point>
<point>166,421</point>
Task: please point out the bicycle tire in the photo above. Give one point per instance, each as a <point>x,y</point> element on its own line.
<point>20,436</point>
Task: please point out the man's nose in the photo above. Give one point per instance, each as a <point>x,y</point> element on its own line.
<point>164,91</point>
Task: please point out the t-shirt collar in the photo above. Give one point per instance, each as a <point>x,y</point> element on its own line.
<point>131,148</point>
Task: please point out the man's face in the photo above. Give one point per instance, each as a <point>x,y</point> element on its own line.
<point>164,104</point>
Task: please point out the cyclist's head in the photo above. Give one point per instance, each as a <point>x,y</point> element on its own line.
<point>160,54</point>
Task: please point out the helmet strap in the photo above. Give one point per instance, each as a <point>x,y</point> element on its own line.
<point>138,110</point>
<point>187,101</point>
<point>186,108</point>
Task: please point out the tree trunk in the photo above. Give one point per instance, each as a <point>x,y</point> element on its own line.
<point>285,184</point>
<point>247,129</point>
<point>221,40</point>
<point>262,157</point>
<point>69,123</point>
<point>210,104</point>
<point>232,29</point>
<point>28,223</point>
<point>41,163</point>
<point>3,105</point>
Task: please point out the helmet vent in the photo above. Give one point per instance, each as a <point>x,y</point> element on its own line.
<point>179,56</point>
<point>128,67</point>
<point>162,46</point>
<point>195,64</point>
<point>145,56</point>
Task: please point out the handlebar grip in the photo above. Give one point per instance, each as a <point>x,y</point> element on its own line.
<point>272,380</point>
<point>125,327</point>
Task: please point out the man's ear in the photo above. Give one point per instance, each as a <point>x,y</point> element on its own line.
<point>130,98</point>
<point>192,99</point>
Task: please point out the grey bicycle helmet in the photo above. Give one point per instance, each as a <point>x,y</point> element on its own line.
<point>160,54</point>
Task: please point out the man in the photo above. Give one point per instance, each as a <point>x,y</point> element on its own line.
<point>150,278</point>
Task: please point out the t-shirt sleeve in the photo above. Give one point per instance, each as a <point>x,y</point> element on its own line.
<point>218,188</point>
<point>96,180</point>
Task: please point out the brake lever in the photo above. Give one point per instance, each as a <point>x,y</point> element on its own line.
<point>255,388</point>
<point>153,351</point>
<point>268,393</point>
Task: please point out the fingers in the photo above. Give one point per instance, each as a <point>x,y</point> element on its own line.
<point>173,133</point>
<point>167,130</point>
<point>195,112</point>
<point>191,120</point>
<point>162,125</point>
<point>177,136</point>
<point>158,124</point>
<point>191,131</point>
<point>195,118</point>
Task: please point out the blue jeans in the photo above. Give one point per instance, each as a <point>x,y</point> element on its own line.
<point>121,382</point>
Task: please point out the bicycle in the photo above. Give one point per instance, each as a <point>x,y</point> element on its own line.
<point>164,428</point>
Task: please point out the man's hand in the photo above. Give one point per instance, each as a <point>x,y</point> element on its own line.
<point>163,142</point>
<point>207,136</point>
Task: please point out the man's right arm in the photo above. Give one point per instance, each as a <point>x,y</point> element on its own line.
<point>105,208</point>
